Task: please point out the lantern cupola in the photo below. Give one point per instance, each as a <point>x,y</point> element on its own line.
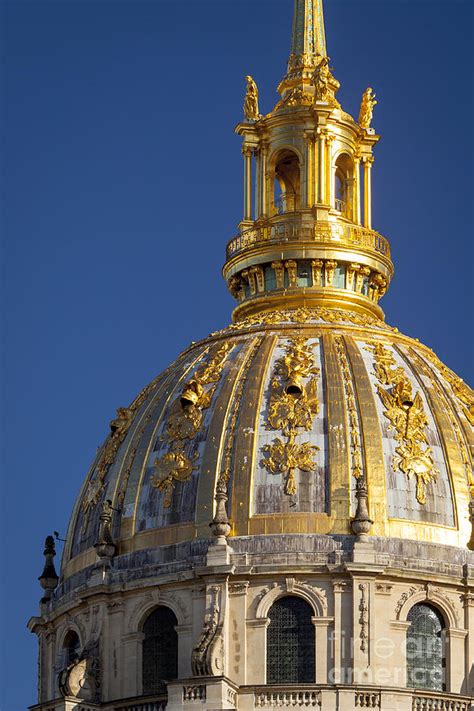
<point>306,236</point>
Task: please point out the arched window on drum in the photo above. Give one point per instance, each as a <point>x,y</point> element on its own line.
<point>287,183</point>
<point>344,185</point>
<point>290,642</point>
<point>71,646</point>
<point>159,651</point>
<point>426,665</point>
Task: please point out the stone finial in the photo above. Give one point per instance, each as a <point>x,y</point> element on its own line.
<point>220,525</point>
<point>470,545</point>
<point>105,546</point>
<point>361,523</point>
<point>48,578</point>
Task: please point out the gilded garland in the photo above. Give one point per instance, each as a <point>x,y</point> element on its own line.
<point>185,422</point>
<point>407,417</point>
<point>353,415</point>
<point>293,405</point>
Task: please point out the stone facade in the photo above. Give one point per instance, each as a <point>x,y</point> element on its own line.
<point>360,595</point>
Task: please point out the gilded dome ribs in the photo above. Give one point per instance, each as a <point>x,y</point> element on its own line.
<point>218,457</point>
<point>338,441</point>
<point>371,437</point>
<point>245,440</point>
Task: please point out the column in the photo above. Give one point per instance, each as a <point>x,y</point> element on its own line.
<point>131,675</point>
<point>469,642</point>
<point>309,169</point>
<point>356,208</point>
<point>263,178</point>
<point>329,197</point>
<point>321,167</point>
<point>336,651</point>
<point>247,153</point>
<point>368,191</point>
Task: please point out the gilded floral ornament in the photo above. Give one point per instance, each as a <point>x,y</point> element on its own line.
<point>293,405</point>
<point>407,417</point>
<point>185,422</point>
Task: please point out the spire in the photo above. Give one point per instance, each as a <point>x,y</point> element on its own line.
<point>309,37</point>
<point>308,65</point>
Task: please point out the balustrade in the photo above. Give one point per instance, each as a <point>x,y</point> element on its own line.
<point>295,231</point>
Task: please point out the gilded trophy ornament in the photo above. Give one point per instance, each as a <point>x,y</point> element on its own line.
<point>406,414</point>
<point>251,112</point>
<point>185,422</point>
<point>293,406</point>
<point>367,108</point>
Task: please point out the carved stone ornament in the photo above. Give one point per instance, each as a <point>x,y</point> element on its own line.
<point>207,658</point>
<point>364,617</point>
<point>185,422</point>
<point>293,405</point>
<point>406,414</point>
<point>81,679</point>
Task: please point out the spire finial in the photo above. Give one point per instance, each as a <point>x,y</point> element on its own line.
<point>309,37</point>
<point>308,59</point>
<point>48,578</point>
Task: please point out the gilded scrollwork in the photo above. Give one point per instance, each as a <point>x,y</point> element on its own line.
<point>305,315</point>
<point>292,408</point>
<point>406,414</point>
<point>185,421</point>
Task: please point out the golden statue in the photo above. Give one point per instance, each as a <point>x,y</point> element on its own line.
<point>320,79</point>
<point>367,108</point>
<point>251,101</point>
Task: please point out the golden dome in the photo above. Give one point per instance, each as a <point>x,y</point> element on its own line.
<point>298,412</point>
<point>309,414</point>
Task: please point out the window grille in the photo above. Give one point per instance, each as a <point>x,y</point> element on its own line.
<point>160,650</point>
<point>425,653</point>
<point>290,642</point>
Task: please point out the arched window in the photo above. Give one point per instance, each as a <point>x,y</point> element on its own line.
<point>344,185</point>
<point>160,650</point>
<point>71,647</point>
<point>290,642</point>
<point>287,183</point>
<point>425,648</point>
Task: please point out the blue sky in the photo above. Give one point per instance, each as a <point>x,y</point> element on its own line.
<point>122,184</point>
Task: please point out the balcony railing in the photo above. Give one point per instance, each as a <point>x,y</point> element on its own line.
<point>292,230</point>
<point>340,205</point>
<point>283,204</point>
<point>155,703</point>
